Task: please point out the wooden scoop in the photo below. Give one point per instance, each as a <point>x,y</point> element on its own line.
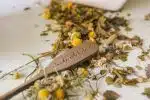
<point>65,61</point>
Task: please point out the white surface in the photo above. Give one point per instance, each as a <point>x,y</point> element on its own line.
<point>105,4</point>
<point>18,35</point>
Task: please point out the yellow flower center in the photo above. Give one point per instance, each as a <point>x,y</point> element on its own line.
<point>43,94</point>
<point>76,42</point>
<point>60,94</point>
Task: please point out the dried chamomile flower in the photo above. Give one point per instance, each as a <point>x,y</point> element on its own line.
<point>66,74</point>
<point>76,42</point>
<point>82,72</point>
<point>16,75</point>
<point>75,35</point>
<point>47,81</point>
<point>60,80</point>
<point>52,87</point>
<point>69,5</point>
<point>43,94</point>
<point>100,62</point>
<point>123,45</point>
<point>60,94</point>
<point>92,34</point>
<point>37,85</point>
<point>110,95</point>
<point>147,92</point>
<point>46,14</point>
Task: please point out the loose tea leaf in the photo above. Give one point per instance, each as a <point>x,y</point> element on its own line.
<point>147,17</point>
<point>44,34</point>
<point>123,57</point>
<point>109,80</point>
<point>138,67</point>
<point>102,72</point>
<point>119,77</point>
<point>110,95</point>
<point>131,82</point>
<point>27,8</point>
<point>146,92</point>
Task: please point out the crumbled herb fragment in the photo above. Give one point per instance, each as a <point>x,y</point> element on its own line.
<point>148,71</point>
<point>119,77</point>
<point>110,95</point>
<point>44,34</point>
<point>147,17</point>
<point>27,8</point>
<point>131,82</point>
<point>129,14</point>
<point>138,67</point>
<point>147,92</point>
<point>128,29</point>
<point>102,72</point>
<point>123,57</point>
<point>119,21</point>
<point>109,80</point>
<point>141,57</point>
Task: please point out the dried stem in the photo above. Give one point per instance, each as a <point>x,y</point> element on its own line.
<point>18,68</point>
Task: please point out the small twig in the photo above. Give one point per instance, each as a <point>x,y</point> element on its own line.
<point>26,80</point>
<point>90,85</point>
<point>37,66</point>
<point>5,74</point>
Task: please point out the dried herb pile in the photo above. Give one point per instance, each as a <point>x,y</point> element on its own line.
<point>78,23</point>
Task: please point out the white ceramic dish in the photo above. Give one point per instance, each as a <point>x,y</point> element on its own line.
<point>19,34</point>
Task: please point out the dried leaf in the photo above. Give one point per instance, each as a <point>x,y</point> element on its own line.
<point>102,72</point>
<point>44,34</point>
<point>27,8</point>
<point>138,67</point>
<point>146,92</point>
<point>109,80</point>
<point>131,82</point>
<point>141,57</point>
<point>147,17</point>
<point>123,57</point>
<point>110,95</point>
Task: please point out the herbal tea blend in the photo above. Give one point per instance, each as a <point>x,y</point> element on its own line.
<point>74,24</point>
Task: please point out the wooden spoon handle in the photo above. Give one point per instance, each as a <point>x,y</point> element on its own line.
<point>20,88</point>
